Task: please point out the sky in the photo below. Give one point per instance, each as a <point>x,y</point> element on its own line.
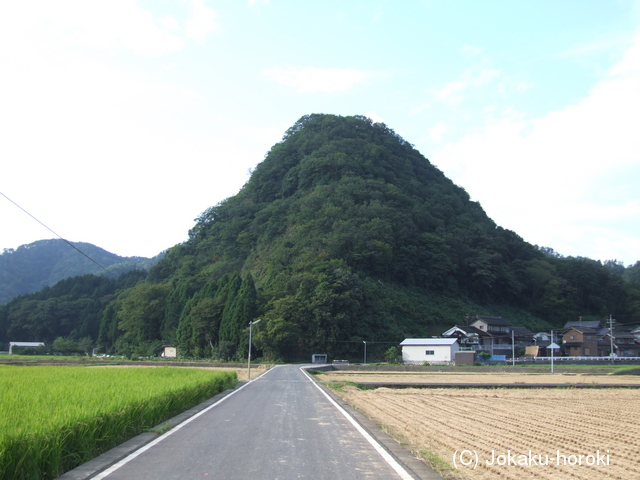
<point>121,121</point>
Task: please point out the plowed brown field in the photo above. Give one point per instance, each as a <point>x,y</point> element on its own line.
<point>481,377</point>
<point>513,433</point>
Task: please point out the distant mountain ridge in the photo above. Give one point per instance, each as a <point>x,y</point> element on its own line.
<point>29,268</point>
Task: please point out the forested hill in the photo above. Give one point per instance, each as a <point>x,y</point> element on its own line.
<point>344,234</point>
<point>350,234</point>
<point>344,191</point>
<point>31,267</point>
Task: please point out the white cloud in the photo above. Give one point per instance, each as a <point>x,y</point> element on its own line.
<point>451,92</point>
<point>541,177</point>
<point>78,130</point>
<point>472,50</point>
<point>114,25</point>
<point>257,3</point>
<point>311,80</point>
<point>118,24</point>
<point>170,23</point>
<point>631,61</point>
<point>202,21</point>
<point>438,132</point>
<point>455,91</point>
<point>375,117</point>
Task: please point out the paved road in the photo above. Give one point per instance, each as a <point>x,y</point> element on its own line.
<point>280,426</point>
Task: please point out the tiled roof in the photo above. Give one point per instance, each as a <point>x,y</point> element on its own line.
<point>622,335</point>
<point>583,323</point>
<point>497,321</point>
<point>522,331</point>
<point>469,329</point>
<point>584,329</point>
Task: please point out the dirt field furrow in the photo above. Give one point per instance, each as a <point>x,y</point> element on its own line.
<point>510,434</point>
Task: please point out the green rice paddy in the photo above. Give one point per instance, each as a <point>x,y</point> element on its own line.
<point>54,418</point>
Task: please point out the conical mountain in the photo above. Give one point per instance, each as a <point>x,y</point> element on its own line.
<point>344,234</point>
<point>351,235</point>
<point>343,188</point>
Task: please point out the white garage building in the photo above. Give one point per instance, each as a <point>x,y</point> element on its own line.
<point>420,350</point>
<point>24,344</point>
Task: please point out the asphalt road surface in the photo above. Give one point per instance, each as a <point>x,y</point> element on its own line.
<point>280,426</point>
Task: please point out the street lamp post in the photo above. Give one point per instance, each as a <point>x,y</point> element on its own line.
<point>365,351</point>
<point>251,324</point>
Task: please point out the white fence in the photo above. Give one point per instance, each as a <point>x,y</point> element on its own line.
<point>590,359</point>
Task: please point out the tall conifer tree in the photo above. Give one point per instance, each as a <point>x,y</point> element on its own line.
<point>227,328</point>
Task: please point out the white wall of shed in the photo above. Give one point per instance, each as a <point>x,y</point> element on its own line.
<point>441,353</point>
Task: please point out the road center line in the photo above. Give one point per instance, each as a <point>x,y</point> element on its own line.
<point>374,443</point>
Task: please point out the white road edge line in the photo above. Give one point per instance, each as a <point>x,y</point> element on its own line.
<point>146,447</point>
<point>374,443</point>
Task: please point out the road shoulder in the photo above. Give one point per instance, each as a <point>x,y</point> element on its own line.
<point>100,463</point>
<point>414,466</point>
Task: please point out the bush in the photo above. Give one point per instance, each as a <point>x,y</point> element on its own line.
<point>41,350</point>
<point>484,356</point>
<point>225,351</point>
<point>393,355</point>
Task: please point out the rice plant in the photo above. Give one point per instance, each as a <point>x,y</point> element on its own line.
<point>54,418</point>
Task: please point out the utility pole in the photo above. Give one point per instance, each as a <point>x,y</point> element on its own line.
<point>611,322</point>
<point>365,351</point>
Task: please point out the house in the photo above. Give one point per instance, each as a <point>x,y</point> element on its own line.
<point>604,347</point>
<point>542,337</point>
<point>523,337</point>
<point>625,344</point>
<point>541,341</point>
<point>469,338</point>
<point>493,325</point>
<point>499,331</point>
<point>491,334</point>
<point>590,338</point>
<point>579,341</point>
<point>420,350</point>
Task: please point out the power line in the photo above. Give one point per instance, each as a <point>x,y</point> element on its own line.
<point>63,239</point>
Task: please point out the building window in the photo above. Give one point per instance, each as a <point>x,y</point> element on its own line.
<point>572,337</point>
<point>429,352</point>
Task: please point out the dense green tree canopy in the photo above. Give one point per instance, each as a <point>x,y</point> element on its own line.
<point>72,309</point>
<point>343,234</point>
